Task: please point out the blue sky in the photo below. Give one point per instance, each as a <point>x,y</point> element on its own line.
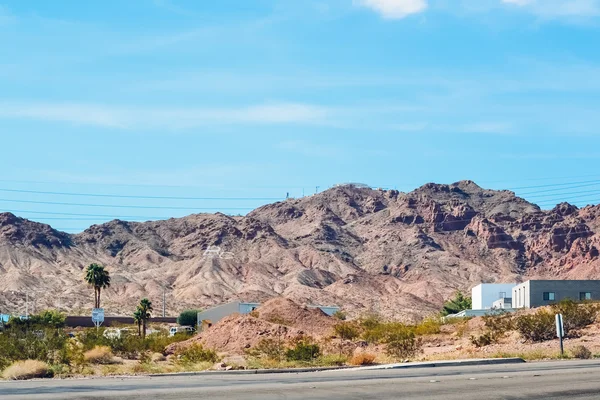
<point>247,100</point>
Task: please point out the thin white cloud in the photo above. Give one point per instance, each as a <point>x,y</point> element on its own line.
<point>558,8</point>
<point>5,16</point>
<point>169,118</point>
<point>395,9</point>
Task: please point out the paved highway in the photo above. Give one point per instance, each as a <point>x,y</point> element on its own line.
<point>550,380</point>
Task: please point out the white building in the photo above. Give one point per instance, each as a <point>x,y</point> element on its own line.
<point>485,295</point>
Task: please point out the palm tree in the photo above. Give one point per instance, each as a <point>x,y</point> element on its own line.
<point>137,318</point>
<point>99,278</point>
<point>145,309</point>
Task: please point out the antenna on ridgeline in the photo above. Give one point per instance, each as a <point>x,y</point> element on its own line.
<point>287,195</point>
<point>317,189</point>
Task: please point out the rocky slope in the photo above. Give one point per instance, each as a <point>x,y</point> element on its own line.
<point>400,254</point>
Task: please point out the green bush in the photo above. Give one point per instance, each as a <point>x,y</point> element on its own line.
<point>429,326</point>
<point>576,316</point>
<point>188,317</point>
<point>196,353</point>
<point>30,339</point>
<point>346,330</point>
<point>536,327</point>
<point>402,343</point>
<point>267,348</point>
<point>482,340</point>
<point>304,349</point>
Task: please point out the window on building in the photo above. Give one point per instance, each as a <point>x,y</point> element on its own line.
<point>585,296</point>
<point>502,295</point>
<point>549,296</point>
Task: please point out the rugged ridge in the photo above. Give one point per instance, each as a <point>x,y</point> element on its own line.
<point>400,254</point>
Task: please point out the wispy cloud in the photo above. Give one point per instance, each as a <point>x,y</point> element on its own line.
<point>558,8</point>
<point>395,9</point>
<point>169,118</point>
<point>6,17</point>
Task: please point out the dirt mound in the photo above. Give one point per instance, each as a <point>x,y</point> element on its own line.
<point>278,318</point>
<point>237,333</point>
<point>312,321</point>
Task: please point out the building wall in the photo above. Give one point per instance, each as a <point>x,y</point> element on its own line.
<point>532,292</point>
<point>217,313</point>
<point>329,310</point>
<point>484,295</point>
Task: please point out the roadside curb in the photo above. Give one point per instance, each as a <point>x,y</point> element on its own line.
<point>433,364</point>
<point>252,371</point>
<point>450,363</point>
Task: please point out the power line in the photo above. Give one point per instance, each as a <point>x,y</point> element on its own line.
<point>141,196</point>
<point>558,189</point>
<point>568,193</point>
<point>122,206</point>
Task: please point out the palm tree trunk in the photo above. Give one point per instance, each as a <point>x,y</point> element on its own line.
<point>99,289</point>
<point>144,329</point>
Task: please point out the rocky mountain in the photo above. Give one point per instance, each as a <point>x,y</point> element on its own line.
<point>399,254</point>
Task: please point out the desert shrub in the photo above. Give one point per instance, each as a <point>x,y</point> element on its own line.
<point>429,326</point>
<point>27,369</point>
<point>75,355</point>
<point>99,355</point>
<point>581,352</point>
<point>254,314</point>
<point>303,349</point>
<point>188,317</point>
<point>267,348</point>
<point>536,327</point>
<point>482,340</point>
<point>23,340</point>
<point>196,353</point>
<point>362,359</point>
<point>332,360</point>
<point>496,328</point>
<point>576,316</point>
<point>457,304</point>
<point>346,330</point>
<point>49,318</point>
<point>402,343</point>
<point>370,321</point>
<point>340,315</point>
<point>145,357</point>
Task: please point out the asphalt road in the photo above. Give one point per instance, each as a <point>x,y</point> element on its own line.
<point>551,380</point>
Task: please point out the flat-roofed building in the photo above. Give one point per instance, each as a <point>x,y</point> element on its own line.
<point>537,293</point>
<point>484,295</point>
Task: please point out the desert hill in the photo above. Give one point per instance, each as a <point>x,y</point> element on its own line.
<point>400,254</point>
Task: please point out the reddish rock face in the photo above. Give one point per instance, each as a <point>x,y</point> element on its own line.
<point>399,254</point>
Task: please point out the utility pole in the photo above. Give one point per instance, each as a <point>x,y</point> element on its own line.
<point>164,301</point>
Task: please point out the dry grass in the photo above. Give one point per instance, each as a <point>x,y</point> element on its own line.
<point>363,359</point>
<point>99,355</point>
<point>27,369</point>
